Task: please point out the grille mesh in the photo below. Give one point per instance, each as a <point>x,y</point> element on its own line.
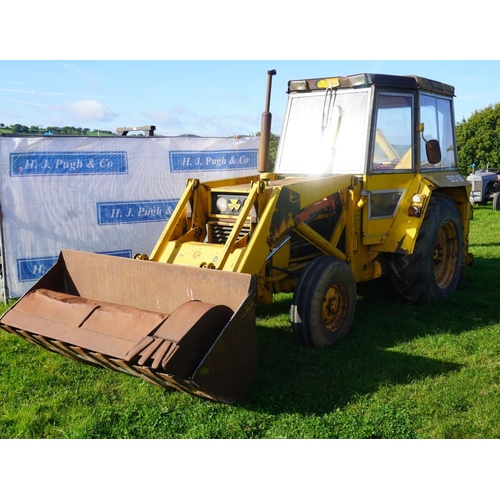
<point>220,232</point>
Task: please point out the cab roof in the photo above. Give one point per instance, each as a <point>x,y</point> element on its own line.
<point>360,80</point>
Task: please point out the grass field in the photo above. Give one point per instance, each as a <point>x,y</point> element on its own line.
<point>414,372</point>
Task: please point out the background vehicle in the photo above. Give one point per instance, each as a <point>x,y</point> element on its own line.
<point>366,184</point>
<point>485,187</point>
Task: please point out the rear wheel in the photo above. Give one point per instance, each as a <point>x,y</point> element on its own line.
<point>324,302</point>
<point>432,272</point>
<point>496,201</point>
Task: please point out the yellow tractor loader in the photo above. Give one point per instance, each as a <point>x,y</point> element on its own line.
<point>366,184</point>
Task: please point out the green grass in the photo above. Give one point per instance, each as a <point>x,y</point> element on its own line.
<point>406,371</point>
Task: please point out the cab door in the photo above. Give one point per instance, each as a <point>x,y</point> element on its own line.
<point>391,166</point>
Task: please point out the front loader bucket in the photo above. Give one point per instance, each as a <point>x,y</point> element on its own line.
<point>175,326</point>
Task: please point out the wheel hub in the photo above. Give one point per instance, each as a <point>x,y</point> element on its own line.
<point>334,308</point>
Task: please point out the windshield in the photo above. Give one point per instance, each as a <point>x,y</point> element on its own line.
<point>324,133</point>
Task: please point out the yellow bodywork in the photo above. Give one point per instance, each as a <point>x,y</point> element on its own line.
<point>191,249</point>
<point>276,211</point>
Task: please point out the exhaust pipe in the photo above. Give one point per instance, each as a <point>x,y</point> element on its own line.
<point>265,129</point>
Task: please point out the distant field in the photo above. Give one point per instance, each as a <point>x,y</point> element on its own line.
<point>405,372</point>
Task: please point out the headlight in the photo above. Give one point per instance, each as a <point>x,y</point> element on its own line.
<point>227,203</point>
<point>221,204</point>
<point>415,209</point>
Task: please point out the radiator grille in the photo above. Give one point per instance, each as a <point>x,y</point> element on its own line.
<point>220,232</point>
<point>477,186</point>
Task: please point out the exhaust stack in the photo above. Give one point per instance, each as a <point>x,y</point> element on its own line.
<point>265,129</point>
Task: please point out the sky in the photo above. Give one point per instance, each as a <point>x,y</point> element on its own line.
<point>214,98</point>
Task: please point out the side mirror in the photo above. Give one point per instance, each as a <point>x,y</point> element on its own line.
<point>432,148</point>
<point>433,151</point>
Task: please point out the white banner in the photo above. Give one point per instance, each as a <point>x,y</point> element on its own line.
<point>107,195</point>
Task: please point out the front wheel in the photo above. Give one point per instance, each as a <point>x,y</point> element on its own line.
<point>324,302</point>
<point>433,270</point>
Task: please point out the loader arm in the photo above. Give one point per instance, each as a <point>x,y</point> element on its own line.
<point>176,222</point>
<point>276,203</point>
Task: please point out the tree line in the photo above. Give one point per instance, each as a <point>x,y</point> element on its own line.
<point>478,140</point>
<point>17,128</point>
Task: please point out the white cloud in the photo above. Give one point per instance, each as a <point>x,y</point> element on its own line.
<point>90,110</point>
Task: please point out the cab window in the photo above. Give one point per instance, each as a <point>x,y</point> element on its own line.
<point>392,148</point>
<point>436,122</point>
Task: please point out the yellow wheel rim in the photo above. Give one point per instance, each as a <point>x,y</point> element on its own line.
<point>445,255</point>
<point>334,308</point>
